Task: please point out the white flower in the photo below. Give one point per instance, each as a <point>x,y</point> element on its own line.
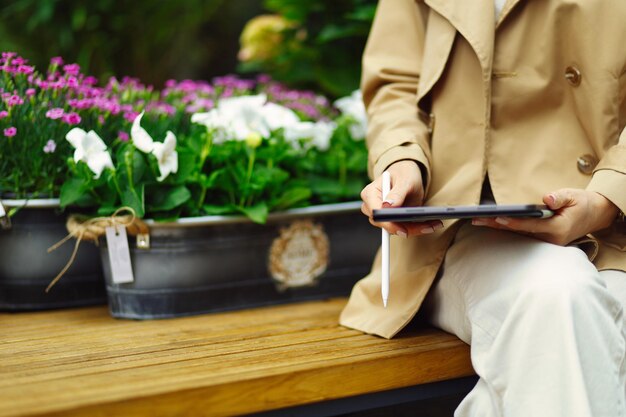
<point>90,149</point>
<point>244,116</point>
<point>166,155</point>
<point>239,117</point>
<point>212,121</point>
<point>319,133</point>
<point>277,116</point>
<point>141,139</point>
<point>353,107</point>
<point>165,152</point>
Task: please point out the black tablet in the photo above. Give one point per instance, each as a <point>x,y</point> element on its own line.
<point>424,213</point>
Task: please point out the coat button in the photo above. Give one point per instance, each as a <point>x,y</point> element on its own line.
<point>573,76</point>
<point>587,163</point>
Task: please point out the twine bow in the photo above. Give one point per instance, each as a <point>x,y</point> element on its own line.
<point>85,228</point>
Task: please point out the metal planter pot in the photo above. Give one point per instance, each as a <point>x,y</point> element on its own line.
<point>216,263</point>
<point>26,268</point>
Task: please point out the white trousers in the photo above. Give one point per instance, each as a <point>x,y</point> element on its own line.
<point>546,329</point>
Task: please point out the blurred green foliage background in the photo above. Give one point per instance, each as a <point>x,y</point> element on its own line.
<point>156,40</point>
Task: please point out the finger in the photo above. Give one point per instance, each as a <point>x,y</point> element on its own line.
<point>523,225</point>
<point>366,210</point>
<point>372,197</point>
<point>423,228</point>
<point>392,228</point>
<point>488,222</point>
<point>409,229</point>
<point>400,189</point>
<point>559,199</point>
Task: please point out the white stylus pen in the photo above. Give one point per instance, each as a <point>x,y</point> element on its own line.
<point>385,245</point>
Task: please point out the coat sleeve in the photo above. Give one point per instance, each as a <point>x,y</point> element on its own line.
<point>391,71</point>
<point>609,176</point>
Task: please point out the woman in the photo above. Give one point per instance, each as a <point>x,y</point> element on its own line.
<point>528,107</point>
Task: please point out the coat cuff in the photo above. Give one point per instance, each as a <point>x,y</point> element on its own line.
<point>611,184</point>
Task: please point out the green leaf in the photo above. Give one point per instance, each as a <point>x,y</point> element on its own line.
<point>106,210</point>
<point>186,165</point>
<point>211,180</point>
<point>139,166</point>
<point>291,197</point>
<point>333,32</point>
<point>214,210</point>
<point>134,200</point>
<point>165,198</point>
<point>364,13</point>
<point>72,190</point>
<point>326,187</point>
<point>257,213</point>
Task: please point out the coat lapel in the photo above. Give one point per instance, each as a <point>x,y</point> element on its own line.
<point>475,21</point>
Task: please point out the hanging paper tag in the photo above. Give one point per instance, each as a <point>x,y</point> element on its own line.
<point>119,255</point>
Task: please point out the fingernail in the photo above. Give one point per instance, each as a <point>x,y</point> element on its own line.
<point>438,226</point>
<point>552,197</point>
<point>477,222</point>
<point>401,233</point>
<point>501,220</point>
<point>427,230</point>
<point>390,202</point>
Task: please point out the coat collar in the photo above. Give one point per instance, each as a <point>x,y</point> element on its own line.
<point>475,21</point>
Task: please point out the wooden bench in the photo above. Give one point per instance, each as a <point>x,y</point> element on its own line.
<point>82,362</point>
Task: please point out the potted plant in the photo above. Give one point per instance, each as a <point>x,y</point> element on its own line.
<point>32,169</point>
<point>243,186</point>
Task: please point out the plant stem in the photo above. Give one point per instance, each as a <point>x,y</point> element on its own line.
<point>129,158</point>
<point>251,158</point>
<point>202,197</point>
<point>204,154</point>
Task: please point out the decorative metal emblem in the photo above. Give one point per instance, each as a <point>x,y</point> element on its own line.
<point>299,255</point>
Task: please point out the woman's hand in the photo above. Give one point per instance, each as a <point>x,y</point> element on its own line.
<point>407,189</point>
<point>577,213</point>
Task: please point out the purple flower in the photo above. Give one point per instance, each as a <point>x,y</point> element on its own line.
<point>15,100</point>
<point>25,69</point>
<point>56,60</point>
<point>8,55</point>
<point>80,104</point>
<point>30,92</point>
<point>50,147</point>
<point>90,80</point>
<point>101,119</point>
<point>130,116</point>
<point>3,114</point>
<point>55,113</point>
<point>71,118</point>
<point>10,132</point>
<point>72,82</point>
<point>71,69</point>
<point>122,136</point>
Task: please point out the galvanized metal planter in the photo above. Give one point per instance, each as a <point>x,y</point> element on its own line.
<point>215,263</point>
<point>26,268</point>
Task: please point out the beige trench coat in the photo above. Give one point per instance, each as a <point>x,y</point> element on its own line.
<point>537,100</point>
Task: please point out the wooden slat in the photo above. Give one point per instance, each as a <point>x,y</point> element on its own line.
<point>84,363</point>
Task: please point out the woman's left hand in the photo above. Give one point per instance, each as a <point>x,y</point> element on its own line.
<point>577,213</point>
